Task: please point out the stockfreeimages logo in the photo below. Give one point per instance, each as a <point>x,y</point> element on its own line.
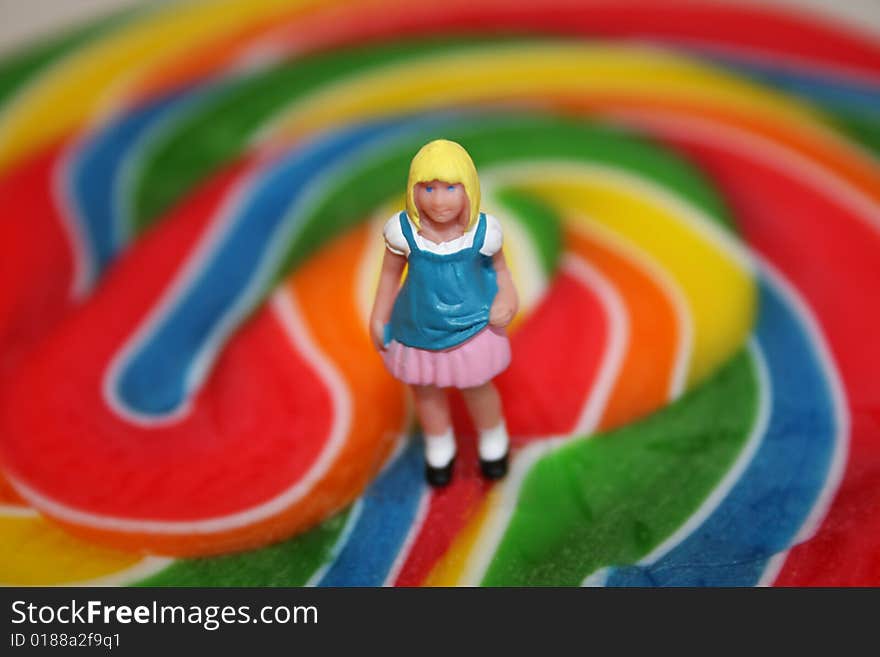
<point>211,617</point>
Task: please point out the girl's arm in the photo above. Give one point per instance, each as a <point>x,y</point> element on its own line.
<point>386,293</point>
<point>506,301</point>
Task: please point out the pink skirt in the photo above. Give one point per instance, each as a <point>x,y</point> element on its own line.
<point>470,364</point>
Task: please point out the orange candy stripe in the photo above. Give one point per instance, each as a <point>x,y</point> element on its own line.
<point>326,291</point>
<point>644,380</point>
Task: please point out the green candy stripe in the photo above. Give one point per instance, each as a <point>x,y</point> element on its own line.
<point>860,128</point>
<point>291,563</point>
<point>612,499</point>
<point>219,128</point>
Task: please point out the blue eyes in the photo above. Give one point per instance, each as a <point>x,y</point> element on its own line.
<point>451,188</point>
<point>430,188</point>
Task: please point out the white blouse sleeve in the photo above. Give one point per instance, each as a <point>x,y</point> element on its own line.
<point>494,236</point>
<point>394,239</point>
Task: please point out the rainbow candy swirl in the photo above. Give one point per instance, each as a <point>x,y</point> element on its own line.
<point>691,202</point>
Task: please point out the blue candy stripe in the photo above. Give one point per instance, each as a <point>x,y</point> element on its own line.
<point>835,93</point>
<point>387,513</point>
<point>765,509</point>
<point>97,173</point>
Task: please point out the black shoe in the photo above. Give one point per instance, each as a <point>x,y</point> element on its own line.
<point>494,469</point>
<point>439,477</point>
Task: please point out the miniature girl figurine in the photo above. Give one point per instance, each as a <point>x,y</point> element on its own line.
<point>444,327</point>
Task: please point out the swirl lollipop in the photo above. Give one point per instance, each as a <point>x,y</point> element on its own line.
<point>691,351</point>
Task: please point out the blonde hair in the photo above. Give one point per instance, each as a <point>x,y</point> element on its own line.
<point>448,161</point>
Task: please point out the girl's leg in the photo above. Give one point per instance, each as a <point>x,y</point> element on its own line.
<point>484,406</point>
<point>432,408</point>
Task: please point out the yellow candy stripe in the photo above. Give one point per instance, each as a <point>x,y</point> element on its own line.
<point>712,271</point>
<point>36,553</point>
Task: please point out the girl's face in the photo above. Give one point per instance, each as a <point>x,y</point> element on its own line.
<point>441,202</point>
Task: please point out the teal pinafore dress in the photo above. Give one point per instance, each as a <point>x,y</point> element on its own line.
<point>446,298</point>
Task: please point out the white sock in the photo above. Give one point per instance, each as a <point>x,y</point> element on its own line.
<point>493,442</point>
<point>439,450</point>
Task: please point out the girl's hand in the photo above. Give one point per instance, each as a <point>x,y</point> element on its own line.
<point>377,334</point>
<point>502,311</point>
<point>506,301</point>
<point>389,284</point>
